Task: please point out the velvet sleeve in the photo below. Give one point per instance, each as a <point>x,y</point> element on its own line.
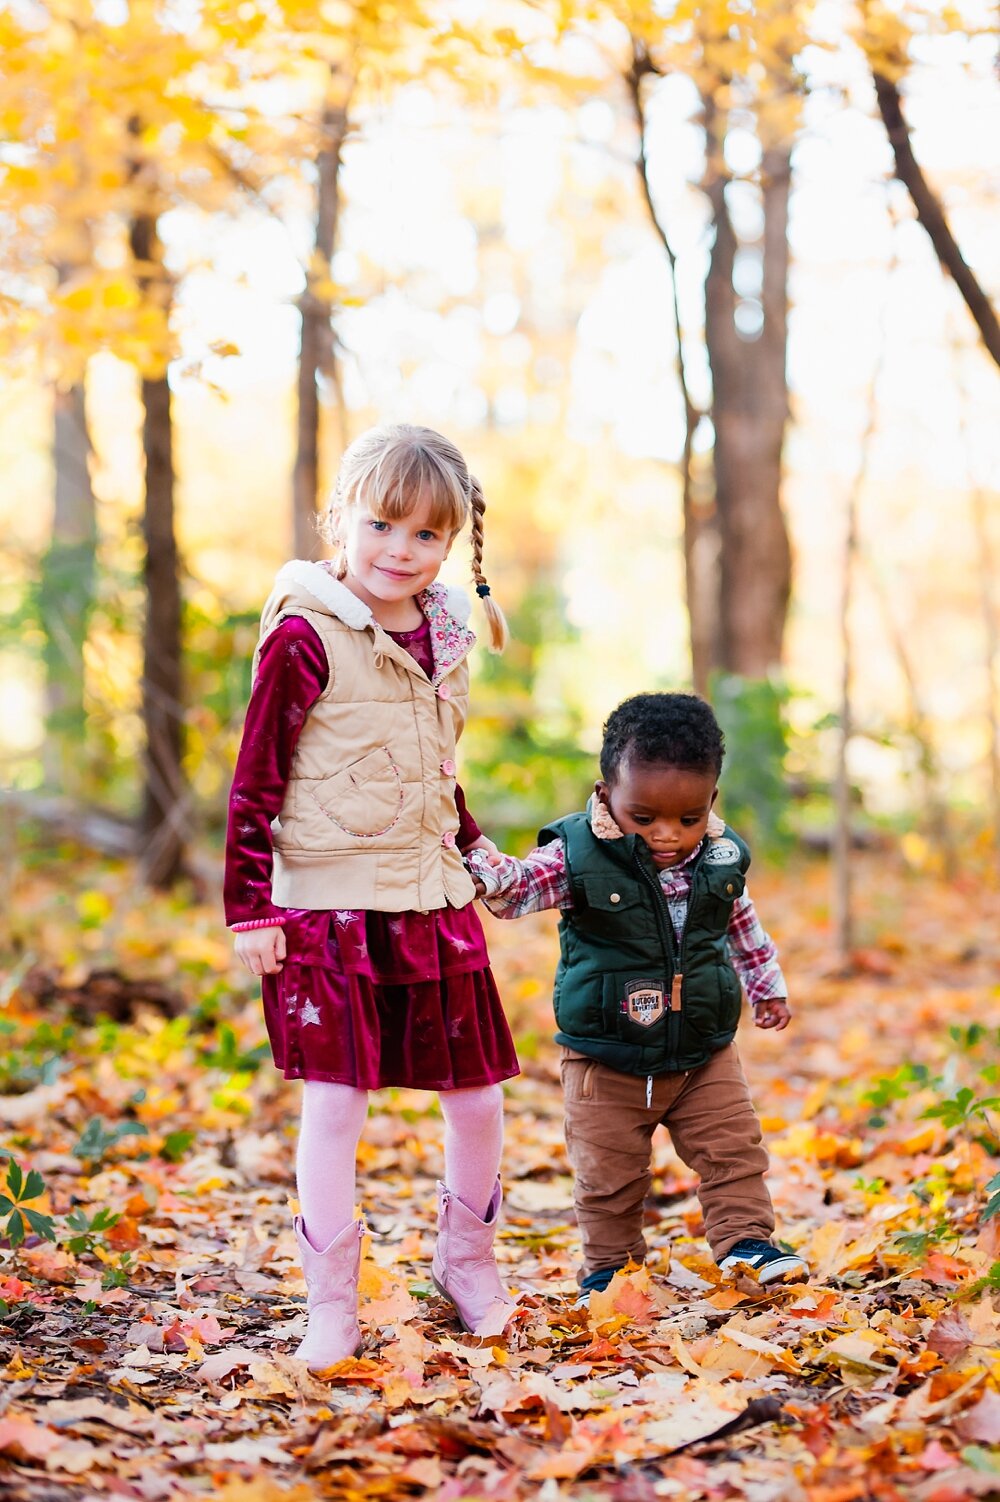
<point>291,674</point>
<point>468,830</point>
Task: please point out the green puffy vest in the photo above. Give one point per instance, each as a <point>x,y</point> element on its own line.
<point>626,992</point>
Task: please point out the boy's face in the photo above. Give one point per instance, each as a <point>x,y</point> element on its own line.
<point>666,806</point>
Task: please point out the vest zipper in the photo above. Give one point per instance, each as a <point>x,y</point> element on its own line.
<point>672,956</point>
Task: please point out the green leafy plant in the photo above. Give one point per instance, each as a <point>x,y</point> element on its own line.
<point>175,1145</point>
<point>33,1058</point>
<point>919,1243</point>
<point>963,1108</point>
<point>99,1137</point>
<point>21,1189</point>
<point>89,1234</point>
<point>230,1057</point>
<point>117,1275</point>
<point>754,789</point>
<point>993,1203</point>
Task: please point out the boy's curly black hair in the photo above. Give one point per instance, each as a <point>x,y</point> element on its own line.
<point>675,730</point>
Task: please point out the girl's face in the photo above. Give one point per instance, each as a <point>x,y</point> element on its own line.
<point>388,562</point>
<point>666,806</point>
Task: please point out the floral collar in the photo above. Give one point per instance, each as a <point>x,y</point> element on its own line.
<point>451,639</point>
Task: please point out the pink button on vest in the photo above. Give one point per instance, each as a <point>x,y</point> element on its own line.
<point>444,692</point>
<point>448,767</point>
<point>448,838</point>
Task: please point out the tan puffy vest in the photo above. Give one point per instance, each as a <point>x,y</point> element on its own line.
<point>369,818</point>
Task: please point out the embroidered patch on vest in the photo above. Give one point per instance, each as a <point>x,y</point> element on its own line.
<point>722,853</point>
<point>643,1002</point>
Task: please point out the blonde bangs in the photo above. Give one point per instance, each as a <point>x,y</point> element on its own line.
<point>406,473</point>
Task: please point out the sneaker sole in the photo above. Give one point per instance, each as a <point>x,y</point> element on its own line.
<point>771,1272</point>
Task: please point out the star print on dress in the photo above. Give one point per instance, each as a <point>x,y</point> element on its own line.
<point>310,1014</point>
<point>291,1002</point>
<point>346,917</point>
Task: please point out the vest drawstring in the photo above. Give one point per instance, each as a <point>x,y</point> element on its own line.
<point>649,1091</point>
<point>379,658</point>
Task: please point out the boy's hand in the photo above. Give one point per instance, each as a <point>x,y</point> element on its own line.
<point>261,950</point>
<point>491,851</point>
<point>773,1013</point>
<point>484,866</point>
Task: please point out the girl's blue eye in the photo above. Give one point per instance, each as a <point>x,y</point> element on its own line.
<point>379,526</point>
<point>425,536</point>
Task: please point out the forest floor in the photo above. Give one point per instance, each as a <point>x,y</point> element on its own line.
<point>148,1356</point>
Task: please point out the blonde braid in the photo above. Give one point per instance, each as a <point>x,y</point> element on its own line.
<point>499,634</point>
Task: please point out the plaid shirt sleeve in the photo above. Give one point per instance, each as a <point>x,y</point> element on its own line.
<point>515,887</point>
<point>753,953</point>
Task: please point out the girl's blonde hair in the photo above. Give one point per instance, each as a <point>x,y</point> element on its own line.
<point>390,469</point>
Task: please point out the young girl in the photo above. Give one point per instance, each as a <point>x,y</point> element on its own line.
<point>345,882</point>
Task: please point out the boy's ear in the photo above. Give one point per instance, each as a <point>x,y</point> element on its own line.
<point>714,796</point>
<point>603,791</point>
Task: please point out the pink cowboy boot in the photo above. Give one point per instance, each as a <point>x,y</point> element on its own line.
<point>464,1268</point>
<point>331,1277</point>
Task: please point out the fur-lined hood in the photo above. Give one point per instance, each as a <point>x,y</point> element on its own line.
<point>304,586</point>
<point>603,826</point>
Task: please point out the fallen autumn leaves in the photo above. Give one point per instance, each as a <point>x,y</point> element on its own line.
<point>152,1361</point>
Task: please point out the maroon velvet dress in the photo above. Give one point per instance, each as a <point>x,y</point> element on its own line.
<point>365,998</point>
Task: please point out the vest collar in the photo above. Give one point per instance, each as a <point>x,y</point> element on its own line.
<point>604,827</point>
<point>447,610</point>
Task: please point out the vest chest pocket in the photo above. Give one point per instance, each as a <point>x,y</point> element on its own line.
<point>366,799</point>
<point>607,904</point>
<point>719,891</point>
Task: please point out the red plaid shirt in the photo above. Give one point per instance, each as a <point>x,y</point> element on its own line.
<point>516,887</point>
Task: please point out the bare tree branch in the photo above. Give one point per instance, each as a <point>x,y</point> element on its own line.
<point>931,215</point>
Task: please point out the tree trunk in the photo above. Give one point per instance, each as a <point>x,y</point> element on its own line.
<point>931,215</point>
<point>66,590</point>
<point>317,355</point>
<point>749,412</point>
<point>700,519</point>
<point>165,801</point>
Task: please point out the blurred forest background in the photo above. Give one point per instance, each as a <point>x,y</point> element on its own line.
<point>703,291</point>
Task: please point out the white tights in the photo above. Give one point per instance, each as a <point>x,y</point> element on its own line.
<point>333,1117</point>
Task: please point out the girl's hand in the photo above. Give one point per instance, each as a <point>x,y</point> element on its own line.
<point>773,1013</point>
<point>491,851</point>
<point>261,950</point>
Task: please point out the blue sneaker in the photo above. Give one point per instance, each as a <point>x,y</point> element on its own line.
<point>769,1262</point>
<point>594,1281</point>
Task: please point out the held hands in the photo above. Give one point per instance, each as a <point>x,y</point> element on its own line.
<point>773,1013</point>
<point>493,855</point>
<point>261,950</point>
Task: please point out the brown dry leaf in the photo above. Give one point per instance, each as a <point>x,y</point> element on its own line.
<point>950,1335</point>
<point>631,1295</point>
<point>980,1424</point>
<point>24,1437</point>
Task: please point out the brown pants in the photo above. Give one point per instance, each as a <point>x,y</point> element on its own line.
<point>609,1132</point>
